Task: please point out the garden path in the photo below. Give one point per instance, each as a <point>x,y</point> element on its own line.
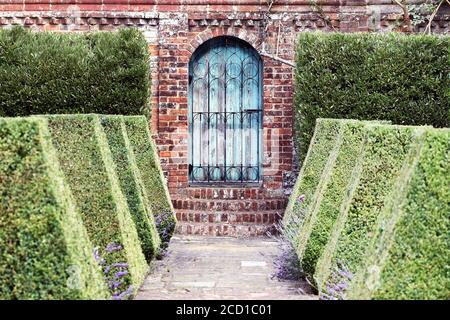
<point>202,267</point>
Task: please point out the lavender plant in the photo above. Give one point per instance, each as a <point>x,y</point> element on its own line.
<point>287,264</point>
<point>115,274</point>
<point>337,283</point>
<point>165,224</point>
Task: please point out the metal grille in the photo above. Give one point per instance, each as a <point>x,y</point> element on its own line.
<point>225,112</point>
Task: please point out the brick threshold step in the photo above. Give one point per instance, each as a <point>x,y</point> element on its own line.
<point>252,217</point>
<point>229,204</point>
<point>225,229</point>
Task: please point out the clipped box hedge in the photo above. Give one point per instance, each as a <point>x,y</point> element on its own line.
<point>342,178</point>
<point>88,165</point>
<point>324,140</point>
<point>56,73</point>
<point>409,256</point>
<point>45,251</point>
<point>385,154</point>
<point>403,78</point>
<point>152,177</point>
<point>131,184</point>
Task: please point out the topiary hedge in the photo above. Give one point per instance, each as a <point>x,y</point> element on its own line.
<point>385,155</point>
<point>324,140</point>
<point>45,252</point>
<point>370,76</point>
<point>152,177</point>
<point>89,168</point>
<point>131,184</point>
<point>333,195</point>
<point>54,73</point>
<point>409,256</point>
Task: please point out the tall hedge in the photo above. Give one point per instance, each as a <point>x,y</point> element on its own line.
<point>88,166</point>
<point>147,161</point>
<point>334,195</point>
<point>386,155</point>
<point>370,76</point>
<point>325,140</point>
<point>409,256</point>
<point>131,184</point>
<point>45,252</point>
<point>55,73</point>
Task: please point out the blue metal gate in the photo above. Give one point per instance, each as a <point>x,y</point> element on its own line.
<point>225,112</point>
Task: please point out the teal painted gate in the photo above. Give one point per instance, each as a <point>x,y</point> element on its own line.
<point>225,112</point>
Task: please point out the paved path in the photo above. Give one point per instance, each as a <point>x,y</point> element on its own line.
<point>199,267</point>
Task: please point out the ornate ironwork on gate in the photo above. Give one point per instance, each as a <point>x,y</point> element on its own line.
<point>225,112</point>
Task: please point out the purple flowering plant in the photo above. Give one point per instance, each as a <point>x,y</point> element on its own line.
<point>338,283</point>
<point>116,274</point>
<point>165,224</point>
<point>287,264</point>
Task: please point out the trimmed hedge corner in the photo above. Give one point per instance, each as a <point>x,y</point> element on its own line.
<point>131,184</point>
<point>56,73</point>
<point>89,168</point>
<point>385,153</point>
<point>377,224</point>
<point>152,177</point>
<point>333,195</point>
<point>324,140</point>
<point>403,78</point>
<point>409,257</point>
<point>45,252</point>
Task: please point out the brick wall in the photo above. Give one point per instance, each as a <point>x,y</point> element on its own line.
<point>174,29</point>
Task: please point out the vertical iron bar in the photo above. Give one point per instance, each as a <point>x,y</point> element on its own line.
<point>208,115</point>
<point>225,113</point>
<point>242,118</point>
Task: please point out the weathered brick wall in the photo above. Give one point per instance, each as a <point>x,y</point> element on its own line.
<point>174,29</point>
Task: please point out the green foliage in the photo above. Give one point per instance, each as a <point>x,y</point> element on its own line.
<point>378,213</point>
<point>410,254</point>
<point>89,169</point>
<point>131,184</point>
<point>370,76</point>
<point>45,252</point>
<point>54,73</point>
<point>152,177</point>
<point>384,155</point>
<point>325,138</point>
<point>333,195</point>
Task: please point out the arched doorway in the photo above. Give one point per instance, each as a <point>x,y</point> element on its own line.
<point>225,112</point>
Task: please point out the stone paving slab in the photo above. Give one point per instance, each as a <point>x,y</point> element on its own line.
<point>225,268</point>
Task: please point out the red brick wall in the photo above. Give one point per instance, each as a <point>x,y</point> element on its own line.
<point>174,29</point>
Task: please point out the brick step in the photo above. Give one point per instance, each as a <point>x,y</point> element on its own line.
<point>258,217</point>
<point>229,204</point>
<point>224,229</point>
<point>237,193</point>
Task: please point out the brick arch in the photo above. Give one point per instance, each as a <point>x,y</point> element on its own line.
<point>242,34</point>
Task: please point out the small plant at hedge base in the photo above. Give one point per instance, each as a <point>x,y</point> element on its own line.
<point>165,224</point>
<point>287,264</point>
<point>115,273</point>
<point>337,284</point>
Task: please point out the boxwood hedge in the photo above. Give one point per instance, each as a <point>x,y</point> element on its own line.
<point>55,73</point>
<point>370,76</point>
<point>152,177</point>
<point>131,184</point>
<point>333,195</point>
<point>409,257</point>
<point>87,163</point>
<point>385,157</point>
<point>325,138</point>
<point>45,251</point>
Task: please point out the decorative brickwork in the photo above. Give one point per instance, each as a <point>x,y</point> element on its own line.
<point>174,29</point>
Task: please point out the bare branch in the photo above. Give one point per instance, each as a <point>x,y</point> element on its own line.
<point>428,27</point>
<point>289,63</point>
